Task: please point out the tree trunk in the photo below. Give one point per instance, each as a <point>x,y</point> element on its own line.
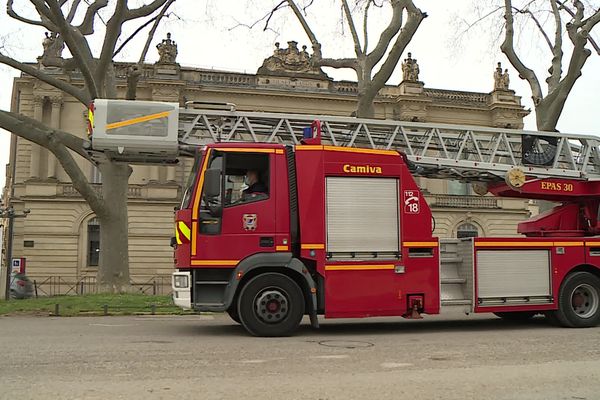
<point>547,115</point>
<point>365,107</point>
<point>113,273</point>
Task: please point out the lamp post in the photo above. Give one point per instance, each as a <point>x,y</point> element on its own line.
<point>10,214</point>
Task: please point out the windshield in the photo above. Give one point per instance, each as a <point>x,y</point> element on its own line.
<point>189,186</point>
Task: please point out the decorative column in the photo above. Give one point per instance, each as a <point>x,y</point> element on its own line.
<point>34,161</point>
<point>57,102</point>
<point>505,106</point>
<point>412,103</point>
<point>166,85</point>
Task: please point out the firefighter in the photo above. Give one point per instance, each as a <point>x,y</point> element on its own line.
<point>255,187</point>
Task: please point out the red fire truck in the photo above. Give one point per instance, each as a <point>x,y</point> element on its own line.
<point>270,232</point>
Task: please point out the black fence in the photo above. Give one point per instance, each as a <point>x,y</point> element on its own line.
<point>55,285</point>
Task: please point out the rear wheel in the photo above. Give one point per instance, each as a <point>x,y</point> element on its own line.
<point>579,301</point>
<point>516,315</point>
<point>271,304</point>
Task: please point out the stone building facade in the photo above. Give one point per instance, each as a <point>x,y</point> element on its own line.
<point>60,237</point>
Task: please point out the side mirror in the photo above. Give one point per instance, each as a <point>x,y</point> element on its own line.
<point>212,183</point>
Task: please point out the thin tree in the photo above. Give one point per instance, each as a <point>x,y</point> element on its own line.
<point>58,16</point>
<point>373,67</point>
<point>566,18</point>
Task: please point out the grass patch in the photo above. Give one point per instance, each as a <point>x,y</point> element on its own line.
<point>93,304</point>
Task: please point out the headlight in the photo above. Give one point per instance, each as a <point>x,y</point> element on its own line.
<point>180,281</point>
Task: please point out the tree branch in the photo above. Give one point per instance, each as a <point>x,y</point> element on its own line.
<point>351,63</point>
<point>72,10</point>
<point>557,53</point>
<point>537,23</point>
<point>352,27</point>
<point>508,49</point>
<point>79,94</point>
<point>113,31</point>
<point>81,54</point>
<point>311,36</point>
<point>415,17</point>
<point>387,34</point>
<point>572,14</point>
<point>58,143</point>
<point>365,27</point>
<point>144,11</point>
<point>87,25</point>
<point>13,14</point>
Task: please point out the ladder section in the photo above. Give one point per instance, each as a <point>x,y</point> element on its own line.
<point>467,153</point>
<point>456,276</point>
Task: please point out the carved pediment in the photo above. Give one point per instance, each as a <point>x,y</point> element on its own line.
<point>291,62</point>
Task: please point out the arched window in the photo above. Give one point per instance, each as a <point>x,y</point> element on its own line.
<point>466,230</point>
<point>93,242</point>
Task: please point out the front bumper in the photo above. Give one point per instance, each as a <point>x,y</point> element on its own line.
<point>182,296</point>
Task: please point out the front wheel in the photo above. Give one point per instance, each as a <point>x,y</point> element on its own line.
<point>233,313</point>
<point>579,301</point>
<point>271,304</point>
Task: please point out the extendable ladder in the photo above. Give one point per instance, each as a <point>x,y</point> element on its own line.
<point>438,150</point>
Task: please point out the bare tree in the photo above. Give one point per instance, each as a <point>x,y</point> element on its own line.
<point>549,106</point>
<point>58,16</point>
<point>373,67</point>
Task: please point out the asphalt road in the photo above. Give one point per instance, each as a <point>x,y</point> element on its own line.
<point>210,357</point>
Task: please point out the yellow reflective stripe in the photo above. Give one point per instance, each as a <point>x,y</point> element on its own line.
<point>199,188</point>
<point>312,246</point>
<point>177,236</point>
<point>244,150</point>
<point>530,244</point>
<point>359,267</point>
<point>215,262</point>
<point>420,244</point>
<point>185,230</point>
<point>515,244</point>
<point>348,150</point>
<point>194,236</point>
<point>137,120</point>
<point>281,248</point>
<point>91,117</point>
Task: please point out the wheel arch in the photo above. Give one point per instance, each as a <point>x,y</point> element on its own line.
<point>583,268</point>
<point>281,263</point>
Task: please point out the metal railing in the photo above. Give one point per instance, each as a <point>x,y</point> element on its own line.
<point>455,201</point>
<point>55,285</point>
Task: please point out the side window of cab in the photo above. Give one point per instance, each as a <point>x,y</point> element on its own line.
<point>247,178</point>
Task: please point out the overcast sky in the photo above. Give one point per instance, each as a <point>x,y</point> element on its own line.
<point>207,38</point>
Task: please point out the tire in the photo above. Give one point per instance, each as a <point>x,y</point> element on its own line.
<point>271,304</point>
<point>233,313</point>
<point>516,315</point>
<point>579,301</point>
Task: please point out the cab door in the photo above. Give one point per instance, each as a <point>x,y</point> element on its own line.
<point>231,226</point>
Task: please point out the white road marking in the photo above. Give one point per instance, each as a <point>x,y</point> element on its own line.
<point>158,318</point>
<point>395,365</point>
<point>332,357</point>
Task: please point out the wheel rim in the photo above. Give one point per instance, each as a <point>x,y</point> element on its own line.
<point>585,300</point>
<point>272,305</point>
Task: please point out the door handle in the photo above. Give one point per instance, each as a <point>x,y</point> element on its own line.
<point>267,242</point>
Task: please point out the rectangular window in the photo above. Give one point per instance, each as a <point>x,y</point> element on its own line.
<point>93,243</point>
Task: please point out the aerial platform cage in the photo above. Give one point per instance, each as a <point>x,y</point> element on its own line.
<point>137,131</point>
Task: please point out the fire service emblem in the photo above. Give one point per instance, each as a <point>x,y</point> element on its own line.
<point>250,222</point>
